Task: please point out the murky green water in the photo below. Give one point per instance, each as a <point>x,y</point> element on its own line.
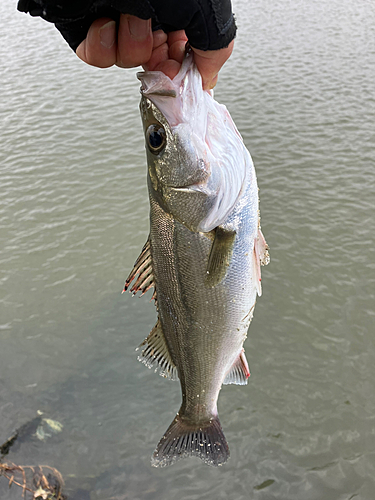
<point>74,215</point>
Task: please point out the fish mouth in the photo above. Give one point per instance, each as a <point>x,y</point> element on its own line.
<point>156,83</point>
<point>190,188</point>
<point>184,189</point>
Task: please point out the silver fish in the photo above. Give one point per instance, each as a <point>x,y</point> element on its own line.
<point>202,257</point>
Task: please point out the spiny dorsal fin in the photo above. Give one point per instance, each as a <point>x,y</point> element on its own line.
<point>155,352</point>
<point>239,373</point>
<point>220,256</point>
<point>142,268</point>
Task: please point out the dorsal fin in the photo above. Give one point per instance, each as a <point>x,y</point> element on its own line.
<point>155,352</point>
<point>239,373</point>
<point>142,268</point>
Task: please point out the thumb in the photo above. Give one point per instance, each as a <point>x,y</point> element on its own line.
<point>209,63</point>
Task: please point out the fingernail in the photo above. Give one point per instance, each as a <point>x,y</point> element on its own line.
<point>139,28</point>
<point>107,34</point>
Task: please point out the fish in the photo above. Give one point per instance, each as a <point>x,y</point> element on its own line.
<point>202,257</point>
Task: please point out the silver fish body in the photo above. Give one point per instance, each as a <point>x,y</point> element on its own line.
<point>203,255</point>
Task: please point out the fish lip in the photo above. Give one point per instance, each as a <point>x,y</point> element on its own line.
<point>190,188</point>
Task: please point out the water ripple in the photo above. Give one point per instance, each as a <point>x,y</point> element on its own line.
<point>74,216</point>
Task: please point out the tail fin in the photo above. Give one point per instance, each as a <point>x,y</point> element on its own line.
<point>187,439</point>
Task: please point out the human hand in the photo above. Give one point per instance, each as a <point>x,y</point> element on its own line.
<point>134,44</point>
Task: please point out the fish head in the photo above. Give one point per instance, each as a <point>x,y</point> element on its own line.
<point>174,161</point>
<point>197,162</point>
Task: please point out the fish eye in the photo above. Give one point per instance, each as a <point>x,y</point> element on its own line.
<point>155,138</point>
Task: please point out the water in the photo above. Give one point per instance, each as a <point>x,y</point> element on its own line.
<point>74,216</point>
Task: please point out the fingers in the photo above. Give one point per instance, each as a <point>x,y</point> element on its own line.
<point>169,56</point>
<point>210,62</point>
<point>133,44</point>
<point>100,47</point>
<point>159,51</point>
<point>170,67</point>
<point>159,38</point>
<point>135,41</point>
<point>128,47</point>
<point>177,43</point>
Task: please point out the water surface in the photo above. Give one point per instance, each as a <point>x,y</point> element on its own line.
<point>74,216</point>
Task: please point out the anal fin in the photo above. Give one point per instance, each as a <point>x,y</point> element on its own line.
<point>220,256</point>
<point>155,352</point>
<point>239,372</point>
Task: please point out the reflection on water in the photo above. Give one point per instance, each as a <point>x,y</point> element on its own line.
<point>74,216</point>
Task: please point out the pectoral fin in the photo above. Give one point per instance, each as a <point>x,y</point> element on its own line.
<point>220,256</point>
<point>155,352</point>
<point>239,372</point>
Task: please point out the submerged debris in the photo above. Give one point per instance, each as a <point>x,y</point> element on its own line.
<point>42,481</point>
<point>25,431</point>
<point>46,427</point>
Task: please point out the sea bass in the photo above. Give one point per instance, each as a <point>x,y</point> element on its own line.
<point>202,257</point>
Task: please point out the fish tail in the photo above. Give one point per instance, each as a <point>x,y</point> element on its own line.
<point>184,438</point>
